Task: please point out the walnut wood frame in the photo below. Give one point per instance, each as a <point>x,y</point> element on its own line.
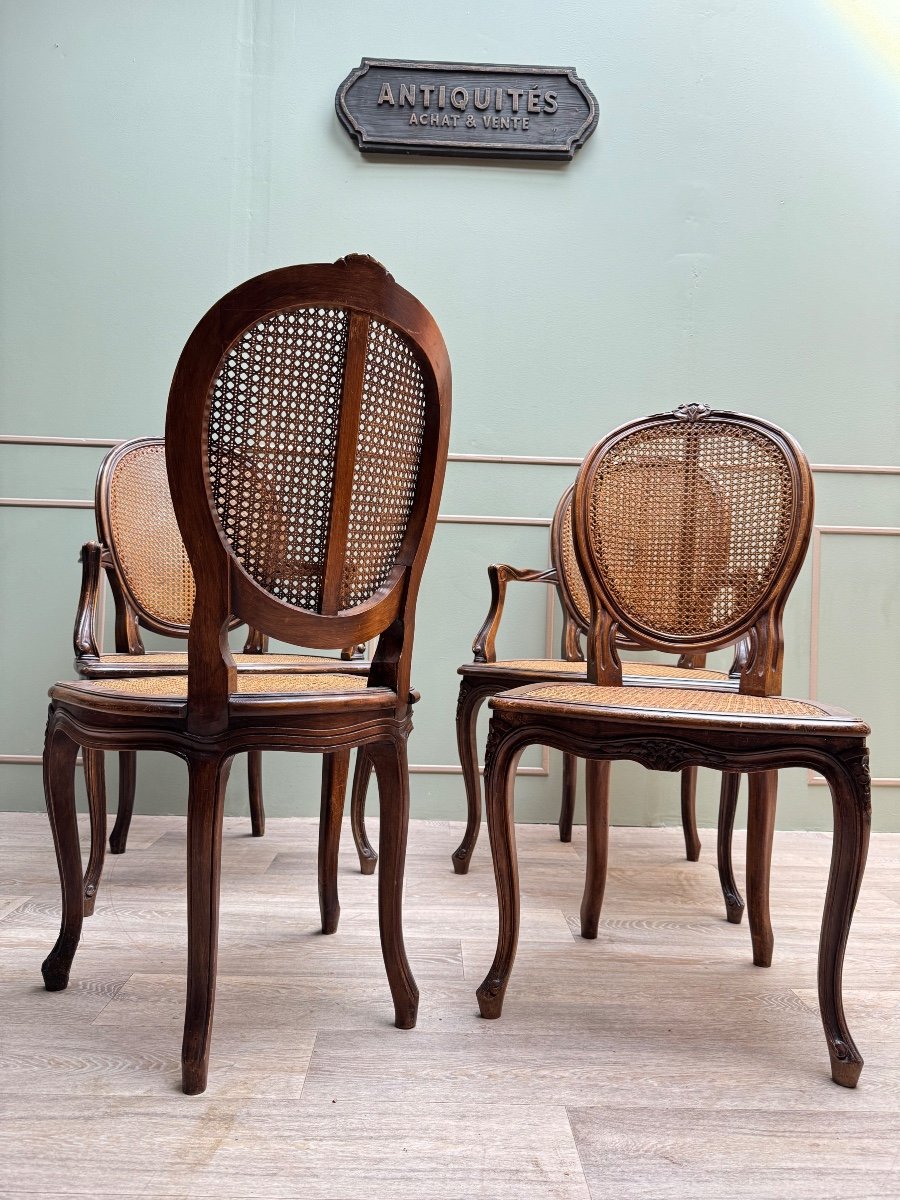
<point>833,744</point>
<point>483,678</point>
<point>214,723</point>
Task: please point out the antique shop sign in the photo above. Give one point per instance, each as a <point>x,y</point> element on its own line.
<point>394,107</point>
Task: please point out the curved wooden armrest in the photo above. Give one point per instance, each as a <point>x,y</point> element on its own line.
<point>500,574</point>
<point>85,637</point>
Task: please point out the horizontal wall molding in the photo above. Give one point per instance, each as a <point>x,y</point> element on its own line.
<point>819,531</point>
<point>520,460</point>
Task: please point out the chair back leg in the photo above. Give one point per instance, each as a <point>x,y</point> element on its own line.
<point>127,773</point>
<point>728,798</point>
<point>362,774</point>
<point>254,787</point>
<point>763,787</point>
<point>335,768</point>
<point>95,786</point>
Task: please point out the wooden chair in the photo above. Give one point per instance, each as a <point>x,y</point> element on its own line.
<point>487,676</point>
<point>306,442</point>
<point>662,567</point>
<point>149,574</point>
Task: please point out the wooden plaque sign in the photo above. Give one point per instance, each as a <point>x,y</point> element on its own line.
<point>395,107</point>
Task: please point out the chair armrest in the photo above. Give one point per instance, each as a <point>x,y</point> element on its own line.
<point>500,574</point>
<point>85,637</point>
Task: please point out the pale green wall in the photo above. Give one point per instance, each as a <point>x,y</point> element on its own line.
<point>730,234</point>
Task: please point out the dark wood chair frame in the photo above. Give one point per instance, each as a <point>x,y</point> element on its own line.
<point>833,744</point>
<point>476,686</point>
<point>213,723</point>
<point>131,615</point>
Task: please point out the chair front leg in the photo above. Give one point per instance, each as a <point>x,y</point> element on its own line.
<point>567,806</point>
<point>763,786</point>
<point>728,797</point>
<point>471,697</point>
<point>689,813</point>
<point>362,774</point>
<point>335,768</point>
<point>60,753</point>
<point>95,785</point>
<point>392,771</point>
<point>254,787</point>
<point>500,776</point>
<point>597,815</point>
<point>127,772</point>
<point>850,793</point>
<point>206,802</point>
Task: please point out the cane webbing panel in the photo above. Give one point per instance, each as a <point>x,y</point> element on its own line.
<point>272,448</point>
<point>570,572</point>
<point>146,541</point>
<point>263,661</point>
<point>175,686</point>
<point>673,700</point>
<point>633,669</point>
<point>689,522</point>
<point>389,447</point>
<point>272,436</point>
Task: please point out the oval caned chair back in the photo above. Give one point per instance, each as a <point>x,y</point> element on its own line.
<point>572,589</point>
<point>273,430</point>
<point>690,529</point>
<point>306,440</point>
<point>136,523</point>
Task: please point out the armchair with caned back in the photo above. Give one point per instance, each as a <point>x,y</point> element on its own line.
<point>306,443</point>
<point>487,676</point>
<point>140,550</point>
<point>690,559</point>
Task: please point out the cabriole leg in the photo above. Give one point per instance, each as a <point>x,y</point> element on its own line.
<point>362,774</point>
<point>470,701</point>
<point>500,776</point>
<point>206,802</point>
<point>95,785</point>
<point>689,813</point>
<point>335,768</point>
<point>60,753</point>
<point>389,759</point>
<point>763,786</point>
<point>127,772</point>
<point>567,807</point>
<point>254,785</point>
<point>597,814</point>
<point>850,793</point>
<point>728,797</point>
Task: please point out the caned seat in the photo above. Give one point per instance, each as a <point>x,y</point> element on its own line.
<point>690,529</point>
<point>147,567</point>
<point>489,676</point>
<point>681,706</point>
<point>306,444</point>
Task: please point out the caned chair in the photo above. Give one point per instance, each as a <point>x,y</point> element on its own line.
<point>487,676</point>
<point>662,567</point>
<point>140,550</point>
<point>306,442</point>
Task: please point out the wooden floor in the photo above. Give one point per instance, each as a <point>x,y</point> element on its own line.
<point>654,1062</point>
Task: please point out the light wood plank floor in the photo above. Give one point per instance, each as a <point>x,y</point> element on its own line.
<point>654,1062</point>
